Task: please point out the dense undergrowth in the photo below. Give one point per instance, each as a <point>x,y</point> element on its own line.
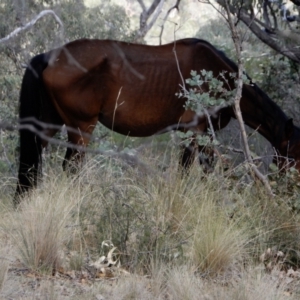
<point>179,236</point>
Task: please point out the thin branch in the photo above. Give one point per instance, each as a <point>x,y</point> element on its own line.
<point>210,124</point>
<point>154,9</point>
<point>32,23</point>
<point>232,149</point>
<point>177,64</point>
<point>176,6</point>
<point>252,24</point>
<point>238,47</point>
<point>266,14</point>
<point>155,16</point>
<point>131,160</point>
<point>273,15</point>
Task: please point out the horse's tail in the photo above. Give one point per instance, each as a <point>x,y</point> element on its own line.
<point>31,98</point>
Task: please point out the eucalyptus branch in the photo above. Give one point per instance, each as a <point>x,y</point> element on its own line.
<point>176,6</point>
<point>238,47</point>
<point>273,15</point>
<point>32,23</point>
<point>154,11</point>
<point>255,25</point>
<point>265,13</point>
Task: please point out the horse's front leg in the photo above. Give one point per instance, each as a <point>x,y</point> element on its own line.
<point>206,157</point>
<point>73,159</point>
<point>79,137</point>
<point>188,155</point>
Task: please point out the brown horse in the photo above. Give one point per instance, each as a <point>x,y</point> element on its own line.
<point>131,89</point>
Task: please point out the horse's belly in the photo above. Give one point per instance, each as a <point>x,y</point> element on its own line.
<point>139,123</point>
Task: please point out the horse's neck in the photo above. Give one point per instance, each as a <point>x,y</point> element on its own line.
<point>262,114</point>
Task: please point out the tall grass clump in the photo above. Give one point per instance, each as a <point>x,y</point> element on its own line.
<point>218,241</point>
<point>39,227</point>
<point>271,223</point>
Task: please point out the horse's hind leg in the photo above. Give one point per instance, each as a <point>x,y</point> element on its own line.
<point>69,154</point>
<point>206,157</point>
<point>188,156</point>
<point>75,154</point>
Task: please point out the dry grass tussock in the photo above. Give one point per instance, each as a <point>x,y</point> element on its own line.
<point>193,237</point>
<point>39,227</point>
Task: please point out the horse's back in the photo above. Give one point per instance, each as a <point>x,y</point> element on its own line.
<point>129,87</point>
<point>134,83</point>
